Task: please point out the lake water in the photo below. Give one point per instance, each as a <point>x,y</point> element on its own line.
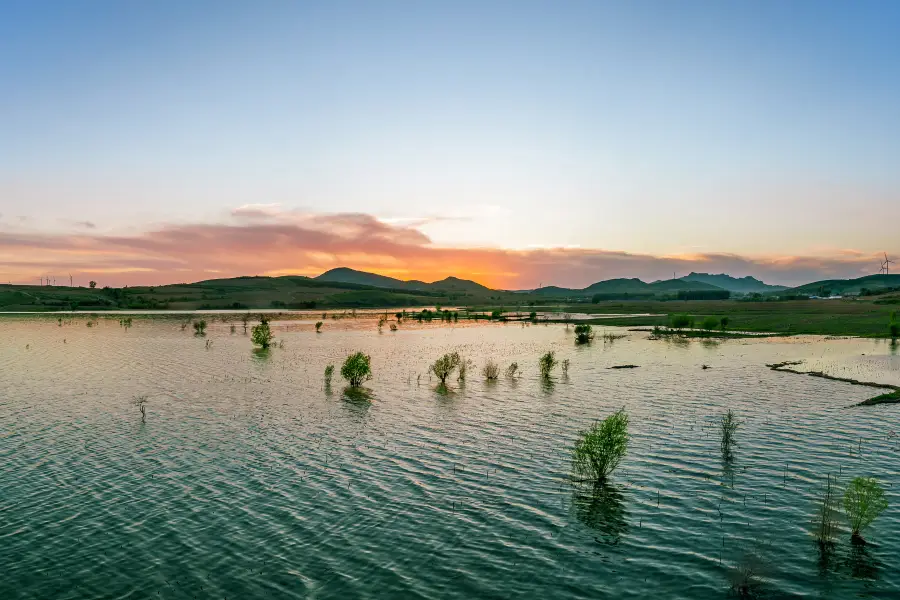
<point>249,479</point>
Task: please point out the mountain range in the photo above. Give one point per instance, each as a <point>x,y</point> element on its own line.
<point>620,286</point>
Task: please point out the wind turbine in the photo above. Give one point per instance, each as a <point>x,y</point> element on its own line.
<point>887,264</point>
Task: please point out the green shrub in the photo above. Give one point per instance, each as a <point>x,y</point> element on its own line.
<point>329,372</point>
<point>512,370</point>
<point>583,333</point>
<point>601,448</point>
<point>261,335</point>
<point>724,322</point>
<point>681,321</point>
<point>547,363</point>
<point>318,326</point>
<point>356,369</point>
<point>710,323</point>
<point>863,501</point>
<point>445,365</point>
<point>200,327</point>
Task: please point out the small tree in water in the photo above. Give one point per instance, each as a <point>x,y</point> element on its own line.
<point>728,427</point>
<point>261,334</point>
<point>601,448</point>
<point>445,365</point>
<point>200,327</point>
<point>318,326</point>
<point>583,333</point>
<point>491,371</point>
<point>547,363</point>
<point>329,372</point>
<point>512,370</point>
<point>356,369</point>
<point>863,501</point>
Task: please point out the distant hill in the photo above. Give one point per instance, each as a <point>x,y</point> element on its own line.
<point>347,275</point>
<point>739,285</point>
<point>623,286</point>
<point>844,287</point>
<point>681,285</point>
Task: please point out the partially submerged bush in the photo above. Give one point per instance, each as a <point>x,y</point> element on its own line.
<point>565,367</point>
<point>318,326</point>
<point>445,365</point>
<point>329,372</point>
<point>261,335</point>
<point>863,501</point>
<point>356,369</point>
<point>512,370</point>
<point>547,363</point>
<point>728,427</point>
<point>491,371</point>
<point>200,327</point>
<point>601,448</point>
<point>463,369</point>
<point>583,333</point>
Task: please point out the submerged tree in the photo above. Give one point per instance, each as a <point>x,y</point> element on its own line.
<point>200,327</point>
<point>318,326</point>
<point>512,370</point>
<point>863,501</point>
<point>356,369</point>
<point>329,372</point>
<point>601,448</point>
<point>547,363</point>
<point>261,335</point>
<point>445,365</point>
<point>583,333</point>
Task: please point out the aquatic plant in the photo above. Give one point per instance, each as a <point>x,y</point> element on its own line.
<point>825,525</point>
<point>863,501</point>
<point>141,401</point>
<point>512,370</point>
<point>318,326</point>
<point>710,323</point>
<point>200,327</point>
<point>261,335</point>
<point>583,333</point>
<point>601,448</point>
<point>329,372</point>
<point>491,371</point>
<point>356,369</point>
<point>547,363</point>
<point>728,426</point>
<point>565,367</point>
<point>445,365</point>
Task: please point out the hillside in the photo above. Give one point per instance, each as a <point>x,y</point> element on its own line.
<point>844,287</point>
<point>738,285</point>
<point>346,275</point>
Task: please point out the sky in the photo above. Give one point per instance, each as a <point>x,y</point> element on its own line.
<point>514,143</point>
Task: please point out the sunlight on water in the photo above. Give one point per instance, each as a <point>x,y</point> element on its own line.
<point>248,478</point>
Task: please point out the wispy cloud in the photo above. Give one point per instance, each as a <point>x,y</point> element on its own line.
<point>263,239</point>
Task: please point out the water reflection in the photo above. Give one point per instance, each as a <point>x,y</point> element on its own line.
<point>358,395</point>
<point>602,508</point>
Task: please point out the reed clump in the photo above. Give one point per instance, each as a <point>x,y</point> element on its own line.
<point>728,426</point>
<point>329,373</point>
<point>601,448</point>
<point>825,526</point>
<point>491,371</point>
<point>512,370</point>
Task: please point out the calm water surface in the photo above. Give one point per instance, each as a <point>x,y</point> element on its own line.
<point>249,479</point>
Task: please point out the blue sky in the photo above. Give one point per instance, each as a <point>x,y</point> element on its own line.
<point>762,129</point>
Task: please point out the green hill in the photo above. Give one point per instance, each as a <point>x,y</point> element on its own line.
<point>845,287</point>
<point>739,285</point>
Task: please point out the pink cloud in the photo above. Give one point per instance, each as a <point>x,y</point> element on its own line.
<point>264,240</point>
